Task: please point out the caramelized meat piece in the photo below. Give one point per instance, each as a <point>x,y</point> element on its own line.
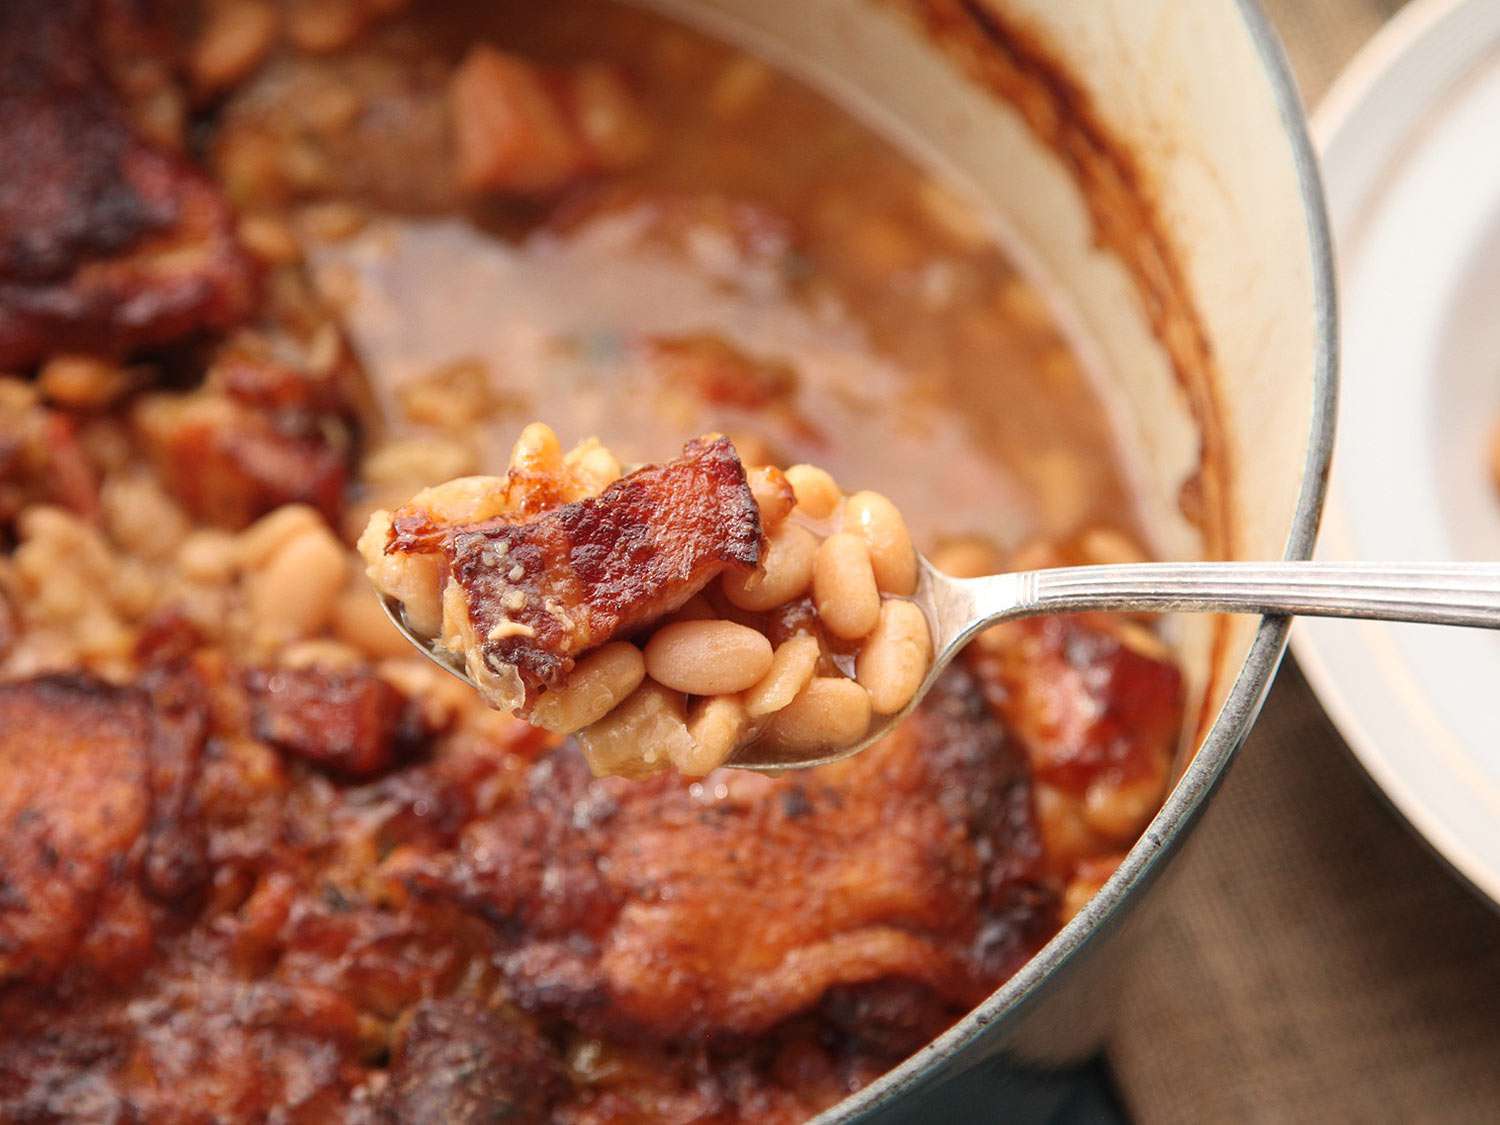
<point>350,723</point>
<point>1082,701</point>
<point>230,467</point>
<point>106,242</point>
<point>464,1064</point>
<point>523,130</point>
<point>88,824</point>
<point>540,593</point>
<point>205,1047</point>
<point>276,422</point>
<point>74,797</point>
<point>268,438</point>
<point>915,862</point>
<point>42,461</point>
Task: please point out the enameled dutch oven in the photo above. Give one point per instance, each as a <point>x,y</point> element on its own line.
<point>1150,161</point>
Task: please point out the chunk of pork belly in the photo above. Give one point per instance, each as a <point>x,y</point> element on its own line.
<point>529,591</point>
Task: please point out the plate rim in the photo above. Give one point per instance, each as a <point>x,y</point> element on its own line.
<point>1354,84</point>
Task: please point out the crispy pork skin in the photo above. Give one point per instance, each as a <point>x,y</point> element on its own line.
<point>914,863</point>
<point>541,591</point>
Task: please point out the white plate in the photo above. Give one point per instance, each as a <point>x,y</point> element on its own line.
<point>1410,139</point>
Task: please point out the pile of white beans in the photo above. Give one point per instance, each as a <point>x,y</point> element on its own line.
<point>702,684</point>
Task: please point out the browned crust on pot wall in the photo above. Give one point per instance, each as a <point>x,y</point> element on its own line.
<point>1019,67</point>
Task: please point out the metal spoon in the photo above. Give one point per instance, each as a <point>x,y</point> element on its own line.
<point>958,608</point>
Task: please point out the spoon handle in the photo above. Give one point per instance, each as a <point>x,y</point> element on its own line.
<point>1430,593</point>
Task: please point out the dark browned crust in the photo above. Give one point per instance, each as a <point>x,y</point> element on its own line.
<point>462,1063</point>
<point>590,571</point>
<point>94,821</point>
<point>107,244</point>
<point>906,879</point>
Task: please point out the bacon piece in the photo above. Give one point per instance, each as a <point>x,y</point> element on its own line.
<point>88,773</point>
<point>107,243</point>
<point>542,592</point>
<point>347,722</point>
<point>915,864</point>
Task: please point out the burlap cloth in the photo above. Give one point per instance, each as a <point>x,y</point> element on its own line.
<point>1318,964</point>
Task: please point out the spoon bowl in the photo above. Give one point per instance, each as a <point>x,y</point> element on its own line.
<point>1466,594</point>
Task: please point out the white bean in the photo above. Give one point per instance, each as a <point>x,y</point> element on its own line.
<point>785,571</point>
<point>895,657</point>
<point>828,714</point>
<point>792,666</point>
<point>707,657</point>
<point>716,725</point>
<point>878,522</point>
<point>294,593</point>
<point>598,683</point>
<point>844,589</point>
<point>817,493</point>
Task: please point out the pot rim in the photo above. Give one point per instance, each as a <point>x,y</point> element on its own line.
<point>1189,796</point>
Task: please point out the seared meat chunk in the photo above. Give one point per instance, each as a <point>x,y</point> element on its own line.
<point>914,863</point>
<point>229,465</point>
<point>107,242</point>
<point>260,434</point>
<point>350,723</point>
<point>539,592</point>
<point>1085,703</point>
<point>524,130</point>
<point>91,824</point>
<point>461,1063</point>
